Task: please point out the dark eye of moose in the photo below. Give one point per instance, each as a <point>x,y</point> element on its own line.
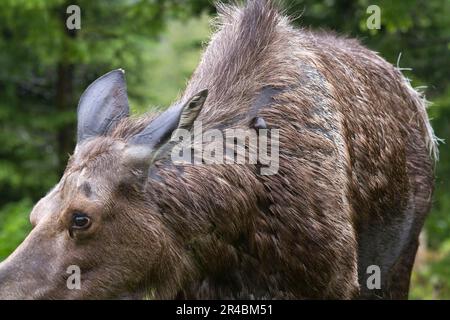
<point>80,221</point>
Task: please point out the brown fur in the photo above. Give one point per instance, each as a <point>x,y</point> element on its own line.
<point>355,165</point>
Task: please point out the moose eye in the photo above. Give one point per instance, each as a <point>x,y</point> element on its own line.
<point>80,221</point>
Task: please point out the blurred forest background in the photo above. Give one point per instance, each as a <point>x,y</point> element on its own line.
<point>44,68</point>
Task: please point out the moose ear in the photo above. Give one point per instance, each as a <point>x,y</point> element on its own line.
<point>144,146</point>
<point>179,116</point>
<point>102,105</point>
<point>191,110</point>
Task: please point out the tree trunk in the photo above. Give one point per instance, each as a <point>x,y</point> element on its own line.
<point>65,101</point>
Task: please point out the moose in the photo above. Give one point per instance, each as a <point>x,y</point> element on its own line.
<point>352,190</point>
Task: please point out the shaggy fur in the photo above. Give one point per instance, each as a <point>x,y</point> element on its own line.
<point>355,157</point>
<point>355,163</point>
<point>353,188</point>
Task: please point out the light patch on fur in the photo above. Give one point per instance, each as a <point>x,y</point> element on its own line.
<point>422,104</point>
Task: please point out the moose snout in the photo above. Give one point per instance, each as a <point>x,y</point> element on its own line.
<point>25,273</point>
<point>19,284</point>
<point>8,290</point>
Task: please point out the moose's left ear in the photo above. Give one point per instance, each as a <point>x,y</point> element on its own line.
<point>102,105</point>
<point>155,137</point>
<point>179,116</point>
<point>191,110</point>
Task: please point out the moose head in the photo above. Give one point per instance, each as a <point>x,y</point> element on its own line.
<point>98,218</point>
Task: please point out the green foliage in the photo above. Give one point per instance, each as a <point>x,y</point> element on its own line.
<point>432,280</point>
<point>170,60</point>
<point>438,222</point>
<point>14,224</point>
